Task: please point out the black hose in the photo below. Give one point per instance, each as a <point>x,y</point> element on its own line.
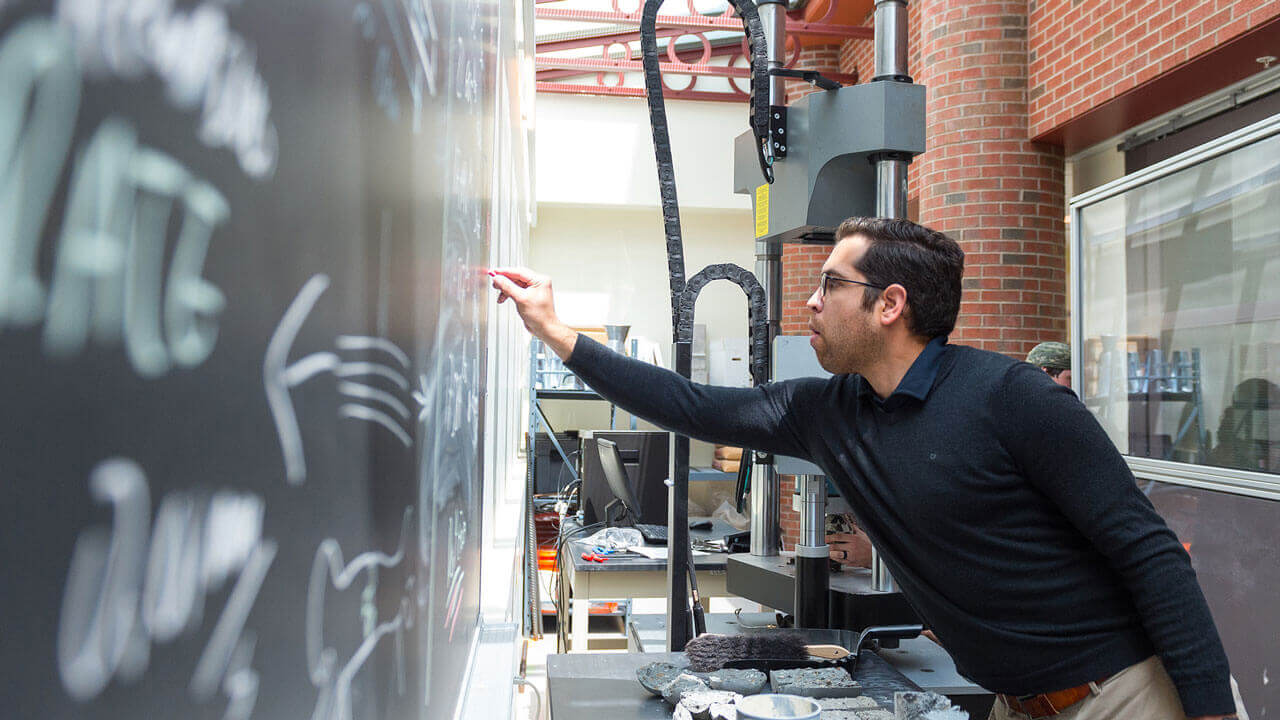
<point>758,120</point>
<point>684,296</point>
<point>757,312</point>
<point>757,321</point>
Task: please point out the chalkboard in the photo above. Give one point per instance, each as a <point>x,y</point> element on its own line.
<point>243,341</point>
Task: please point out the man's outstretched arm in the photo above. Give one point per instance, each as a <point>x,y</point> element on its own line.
<point>759,418</point>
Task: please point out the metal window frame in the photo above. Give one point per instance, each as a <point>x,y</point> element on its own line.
<point>1229,480</point>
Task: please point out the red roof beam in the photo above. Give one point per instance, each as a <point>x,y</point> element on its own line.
<point>699,22</point>
<point>602,39</point>
<point>638,92</point>
<point>604,65</point>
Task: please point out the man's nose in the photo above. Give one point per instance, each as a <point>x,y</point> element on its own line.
<point>814,302</point>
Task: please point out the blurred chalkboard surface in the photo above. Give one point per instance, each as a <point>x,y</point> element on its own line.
<point>243,341</point>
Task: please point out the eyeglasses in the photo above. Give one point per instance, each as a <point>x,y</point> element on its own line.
<point>828,278</point>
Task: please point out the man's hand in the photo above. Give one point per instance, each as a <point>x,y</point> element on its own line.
<point>535,303</point>
<point>852,548</point>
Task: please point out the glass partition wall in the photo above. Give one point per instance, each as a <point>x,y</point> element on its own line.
<point>1177,310</point>
<point>1176,335</point>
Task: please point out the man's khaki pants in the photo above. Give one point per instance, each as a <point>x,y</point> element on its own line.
<point>1139,692</point>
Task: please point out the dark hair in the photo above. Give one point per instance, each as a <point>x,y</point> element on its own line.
<point>1054,372</point>
<point>925,262</point>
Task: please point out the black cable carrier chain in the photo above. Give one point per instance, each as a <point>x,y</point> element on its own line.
<point>684,294</point>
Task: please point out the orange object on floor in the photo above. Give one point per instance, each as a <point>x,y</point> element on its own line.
<point>547,558</point>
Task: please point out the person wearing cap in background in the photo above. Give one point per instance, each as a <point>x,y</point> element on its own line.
<point>1055,359</point>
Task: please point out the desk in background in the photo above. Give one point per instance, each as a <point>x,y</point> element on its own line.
<point>633,576</point>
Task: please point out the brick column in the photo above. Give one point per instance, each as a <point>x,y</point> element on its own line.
<point>983,182</point>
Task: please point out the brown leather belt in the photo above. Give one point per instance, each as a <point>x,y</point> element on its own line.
<point>1049,704</point>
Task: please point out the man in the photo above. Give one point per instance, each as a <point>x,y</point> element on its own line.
<point>1054,358</point>
<point>1006,516</point>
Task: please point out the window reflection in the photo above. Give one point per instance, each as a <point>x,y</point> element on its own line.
<point>1181,313</point>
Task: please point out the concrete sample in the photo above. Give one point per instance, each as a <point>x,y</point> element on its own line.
<point>743,682</point>
<point>815,682</point>
<point>675,690</point>
<point>656,676</point>
<point>724,712</point>
<point>878,714</point>
<point>952,713</point>
<point>717,712</point>
<point>925,706</point>
<point>861,702</point>
<point>709,705</point>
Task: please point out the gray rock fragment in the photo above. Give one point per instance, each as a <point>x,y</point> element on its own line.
<point>656,676</point>
<point>684,684</point>
<point>861,702</point>
<point>815,682</point>
<point>878,714</point>
<point>743,682</point>
<point>701,703</point>
<point>840,715</point>
<point>925,706</point>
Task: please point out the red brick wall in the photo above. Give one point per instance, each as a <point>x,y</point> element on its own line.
<point>801,266</point>
<point>1083,54</point>
<point>823,58</point>
<point>788,517</point>
<point>858,56</point>
<point>982,182</point>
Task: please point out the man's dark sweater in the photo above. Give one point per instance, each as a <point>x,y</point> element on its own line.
<point>1008,518</point>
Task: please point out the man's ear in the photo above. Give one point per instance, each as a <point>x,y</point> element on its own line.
<point>893,304</point>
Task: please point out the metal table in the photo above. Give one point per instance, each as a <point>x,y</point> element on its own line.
<point>921,660</point>
<point>591,686</point>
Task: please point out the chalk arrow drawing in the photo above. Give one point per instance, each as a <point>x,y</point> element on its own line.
<point>384,409</point>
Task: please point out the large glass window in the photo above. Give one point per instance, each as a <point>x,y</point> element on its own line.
<point>1179,306</point>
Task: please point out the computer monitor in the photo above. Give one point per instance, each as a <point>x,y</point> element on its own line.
<point>615,473</point>
<point>644,458</point>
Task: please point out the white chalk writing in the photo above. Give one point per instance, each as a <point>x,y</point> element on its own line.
<point>109,257</point>
<point>39,97</point>
<point>328,568</point>
<point>109,264</point>
<point>200,60</point>
<point>279,377</point>
<point>416,39</point>
<point>127,587</point>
